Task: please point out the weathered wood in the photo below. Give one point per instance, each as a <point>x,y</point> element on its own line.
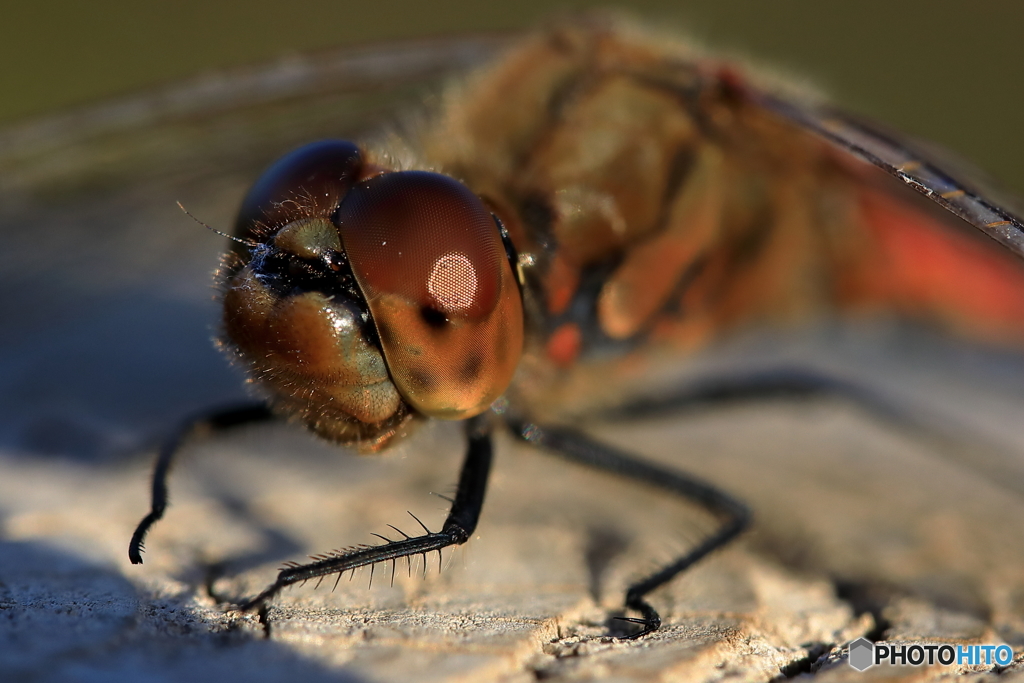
<point>850,515</point>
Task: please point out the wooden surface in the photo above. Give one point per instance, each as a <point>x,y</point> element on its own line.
<point>862,527</point>
<point>856,523</point>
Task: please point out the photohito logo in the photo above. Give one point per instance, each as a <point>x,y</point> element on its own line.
<point>864,654</point>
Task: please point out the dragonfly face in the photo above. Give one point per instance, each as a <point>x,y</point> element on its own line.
<point>367,297</point>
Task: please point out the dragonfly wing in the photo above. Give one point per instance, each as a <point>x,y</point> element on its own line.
<point>918,169</point>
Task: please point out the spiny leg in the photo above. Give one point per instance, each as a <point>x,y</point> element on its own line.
<point>210,422</point>
<point>579,448</point>
<point>457,528</point>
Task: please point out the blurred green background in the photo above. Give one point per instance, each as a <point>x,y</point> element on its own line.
<point>942,70</point>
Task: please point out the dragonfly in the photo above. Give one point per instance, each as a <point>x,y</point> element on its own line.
<point>625,204</point>
<point>593,201</point>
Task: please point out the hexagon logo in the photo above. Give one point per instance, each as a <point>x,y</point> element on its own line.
<point>862,654</point>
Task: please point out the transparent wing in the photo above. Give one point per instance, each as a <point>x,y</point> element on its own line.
<point>249,110</point>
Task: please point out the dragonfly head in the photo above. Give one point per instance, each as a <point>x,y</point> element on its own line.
<point>362,298</point>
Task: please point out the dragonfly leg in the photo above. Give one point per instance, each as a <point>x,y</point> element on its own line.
<point>579,448</point>
<point>776,383</point>
<point>795,383</point>
<point>457,528</point>
<point>207,422</point>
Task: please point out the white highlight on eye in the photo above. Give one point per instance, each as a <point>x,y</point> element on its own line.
<point>452,282</point>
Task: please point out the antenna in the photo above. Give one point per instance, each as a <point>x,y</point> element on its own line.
<point>248,243</point>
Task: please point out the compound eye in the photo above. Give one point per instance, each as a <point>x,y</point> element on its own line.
<point>429,259</point>
<point>309,182</point>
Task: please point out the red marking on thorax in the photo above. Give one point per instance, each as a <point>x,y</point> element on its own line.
<point>561,284</point>
<point>564,344</point>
